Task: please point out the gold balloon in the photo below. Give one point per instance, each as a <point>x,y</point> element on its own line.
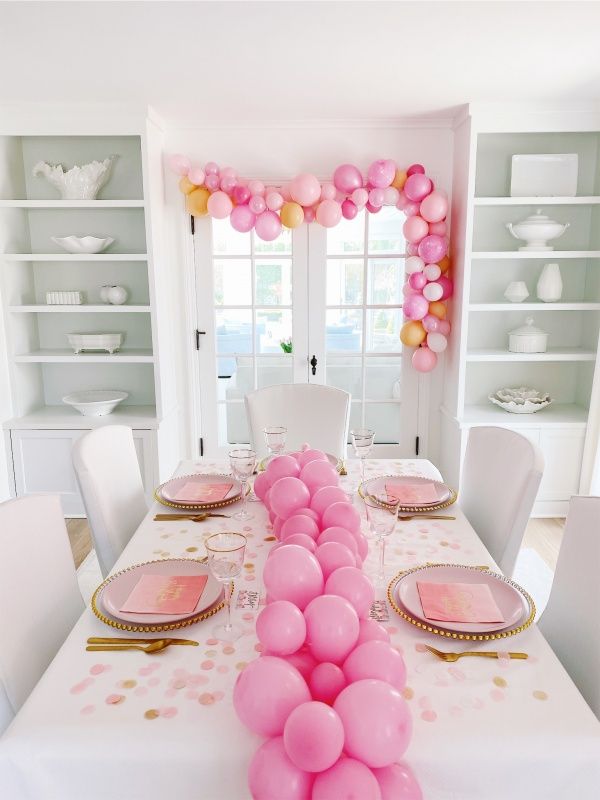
<point>186,186</point>
<point>196,202</point>
<point>399,180</point>
<point>438,309</point>
<point>412,333</point>
<point>292,215</point>
<point>444,264</point>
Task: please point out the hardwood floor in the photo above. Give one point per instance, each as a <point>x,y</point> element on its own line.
<point>80,539</point>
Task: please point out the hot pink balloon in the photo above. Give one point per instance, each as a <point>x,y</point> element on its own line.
<point>241,194</point>
<point>397,782</point>
<point>417,280</point>
<point>272,775</point>
<point>415,168</point>
<point>305,189</point>
<point>381,173</point>
<point>219,205</point>
<point>262,484</point>
<point>342,536</point>
<point>443,326</point>
<point>304,661</point>
<point>282,467</point>
<point>242,219</point>
<point>288,495</point>
<point>256,187</point>
<point>447,286</point>
<point>274,201</point>
<point>376,197</point>
<point>326,681</point>
<point>313,736</point>
<point>370,630</point>
<point>363,545</point>
<point>266,692</point>
<point>349,209</point>
<point>310,455</point>
<point>343,515</point>
<point>376,659</point>
<point>333,555</point>
<point>331,627</point>
<point>432,249</point>
<point>196,176</point>
<point>268,226</point>
<point>353,584</point>
<point>360,197</point>
<point>434,207</point>
<point>292,573</point>
<point>277,525</point>
<point>309,213</point>
<point>373,209</point>
<point>415,306</point>
<point>325,497</point>
<point>317,474</point>
<point>329,213</point>
<point>417,187</point>
<point>347,178</point>
<point>179,164</point>
<point>302,540</point>
<point>281,628</point>
<point>267,500</point>
<point>430,322</point>
<point>257,204</point>
<point>347,780</point>
<point>424,359</point>
<point>376,721</point>
<point>299,523</point>
<point>211,168</point>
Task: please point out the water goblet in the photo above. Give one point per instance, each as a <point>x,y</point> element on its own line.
<point>225,553</point>
<point>382,516</point>
<point>362,441</point>
<point>242,463</point>
<point>275,439</point>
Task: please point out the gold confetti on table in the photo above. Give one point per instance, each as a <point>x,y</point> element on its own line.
<point>539,695</point>
<point>152,713</point>
<point>500,682</point>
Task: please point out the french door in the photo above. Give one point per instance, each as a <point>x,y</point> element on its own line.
<point>315,305</point>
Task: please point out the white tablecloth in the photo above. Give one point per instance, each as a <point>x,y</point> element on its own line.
<point>128,726</point>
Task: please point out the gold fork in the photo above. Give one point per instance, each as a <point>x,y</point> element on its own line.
<point>193,517</point>
<point>481,653</point>
<point>425,516</point>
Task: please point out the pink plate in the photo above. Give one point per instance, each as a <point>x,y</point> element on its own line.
<point>509,600</point>
<point>116,592</point>
<point>377,486</point>
<point>169,490</point>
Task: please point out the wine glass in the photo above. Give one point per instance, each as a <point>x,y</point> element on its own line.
<point>275,439</point>
<point>242,463</point>
<point>362,441</point>
<point>382,516</point>
<point>225,558</point>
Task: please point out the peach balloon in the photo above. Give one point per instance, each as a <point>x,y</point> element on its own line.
<point>399,179</point>
<point>438,309</point>
<point>196,202</point>
<point>444,264</point>
<point>186,186</point>
<point>412,333</point>
<point>292,215</point>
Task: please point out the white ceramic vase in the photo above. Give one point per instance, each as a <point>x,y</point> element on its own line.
<point>104,293</point>
<point>549,285</point>
<point>117,295</point>
<point>516,292</point>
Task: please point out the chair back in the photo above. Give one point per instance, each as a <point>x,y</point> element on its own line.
<point>500,478</point>
<point>108,473</point>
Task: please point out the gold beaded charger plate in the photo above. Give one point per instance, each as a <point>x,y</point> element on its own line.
<point>333,460</point>
<point>167,492</point>
<point>113,592</point>
<point>505,588</point>
<point>377,486</point>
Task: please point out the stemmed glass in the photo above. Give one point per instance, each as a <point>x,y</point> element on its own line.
<point>225,558</point>
<point>275,439</point>
<point>242,463</point>
<point>362,441</point>
<point>382,516</point>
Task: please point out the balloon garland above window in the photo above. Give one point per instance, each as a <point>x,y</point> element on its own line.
<point>250,205</point>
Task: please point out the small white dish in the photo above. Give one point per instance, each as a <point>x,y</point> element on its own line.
<point>521,400</point>
<point>95,402</point>
<point>83,244</point>
<point>110,342</point>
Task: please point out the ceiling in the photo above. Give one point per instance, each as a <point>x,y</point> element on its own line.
<point>228,62</point>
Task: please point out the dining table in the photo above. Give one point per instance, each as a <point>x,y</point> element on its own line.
<point>136,726</point>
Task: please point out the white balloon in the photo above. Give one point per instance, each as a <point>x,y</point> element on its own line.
<point>432,272</point>
<point>391,195</point>
<point>437,342</point>
<point>433,291</point>
<point>414,264</point>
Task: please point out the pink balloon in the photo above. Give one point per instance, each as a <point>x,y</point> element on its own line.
<point>211,168</point>
<point>363,545</point>
<point>373,209</point>
<point>370,630</point>
<point>228,185</point>
<point>358,590</point>
<point>299,523</point>
<point>331,627</point>
<point>376,659</point>
<point>424,359</point>
<point>281,628</point>
<point>412,249</point>
<point>437,342</point>
<point>228,172</point>
<point>196,176</point>
<point>303,540</point>
<point>313,736</point>
<point>391,195</point>
<point>179,164</point>
<point>304,661</point>
<point>347,178</point>
<point>360,197</point>
<point>414,264</point>
<point>242,219</point>
<point>325,497</point>
<point>346,780</point>
<point>433,291</point>
<point>310,455</point>
<point>212,182</point>
<point>309,213</point>
<point>349,209</point>
<point>292,573</point>
<point>415,168</point>
<point>272,775</point>
<point>282,467</point>
<point>434,207</point>
<point>417,280</point>
<point>397,782</point>
<point>415,228</point>
<point>309,512</point>
<point>257,204</point>
<point>343,515</point>
<point>219,205</point>
<point>439,228</point>
<point>317,474</point>
<point>432,272</point>
<point>376,197</point>
<point>417,187</point>
<point>274,201</point>
<point>241,194</point>
<point>326,681</point>
<point>305,189</point>
<point>328,191</point>
<point>432,249</point>
<point>376,720</point>
<point>256,187</point>
<point>342,536</point>
<point>333,555</point>
<point>447,286</point>
<point>268,226</point>
<point>430,322</point>
<point>329,213</point>
<point>443,326</point>
<point>381,173</point>
<point>277,523</point>
<point>415,306</point>
<point>266,692</point>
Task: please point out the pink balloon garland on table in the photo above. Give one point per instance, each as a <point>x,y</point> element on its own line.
<point>251,205</point>
<point>327,688</point>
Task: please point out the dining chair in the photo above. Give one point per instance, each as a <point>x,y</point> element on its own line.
<point>319,415</point>
<point>570,620</point>
<point>500,478</point>
<point>40,599</point>
<point>108,474</point>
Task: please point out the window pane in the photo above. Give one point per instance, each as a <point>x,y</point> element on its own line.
<point>385,231</point>
<point>272,327</point>
<point>348,236</point>
<point>355,419</point>
<point>384,419</point>
<point>382,378</point>
<point>343,330</point>
<point>344,282</point>
<point>235,377</point>
<point>274,370</point>
<point>345,372</point>
<point>383,331</point>
<point>228,241</point>
<point>233,286</point>
<point>385,278</point>
<point>282,244</point>
<point>274,282</point>
<point>234,331</point>
<point>233,428</point>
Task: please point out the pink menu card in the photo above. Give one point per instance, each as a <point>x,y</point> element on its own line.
<point>165,594</point>
<point>194,492</point>
<point>412,493</point>
<point>458,602</point>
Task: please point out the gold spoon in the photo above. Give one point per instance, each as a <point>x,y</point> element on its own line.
<point>122,640</point>
<point>425,516</point>
<point>154,647</point>
<point>481,653</point>
<point>193,517</point>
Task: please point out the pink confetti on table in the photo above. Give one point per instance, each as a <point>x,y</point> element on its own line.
<point>207,665</point>
<point>141,691</point>
<point>81,686</point>
<point>97,669</point>
<point>429,716</point>
<point>457,673</point>
<point>222,669</point>
<point>114,699</point>
<point>497,695</point>
<point>168,712</point>
<point>153,681</point>
<point>206,699</point>
<point>88,710</point>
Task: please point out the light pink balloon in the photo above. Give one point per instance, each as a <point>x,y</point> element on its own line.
<point>242,219</point>
<point>288,495</point>
<point>376,197</point>
<point>331,627</point>
<point>332,556</point>
<point>434,207</point>
<point>241,194</point>
<point>430,322</point>
<point>325,497</point>
<point>328,191</point>
<point>305,189</point>
<point>309,512</point>
<point>228,185</point>
<point>277,525</point>
<point>310,455</point>
<point>196,176</point>
<point>391,195</point>
<point>417,187</point>
<point>266,692</point>
<point>360,197</point>
<point>432,272</point>
<point>412,249</point>
<point>432,249</point>
<point>409,207</point>
<point>347,178</point>
<point>302,540</point>
<point>433,291</point>
<point>292,573</point>
<point>381,173</point>
<point>376,659</point>
<point>309,213</point>
<point>343,515</point>
<point>219,205</point>
<point>414,264</point>
<point>267,500</point>
<point>376,720</point>
<point>348,779</point>
<point>329,213</point>
<point>349,209</point>
<point>439,228</point>
<point>424,359</point>
<point>212,182</point>
<point>397,782</point>
<point>272,775</point>
<point>370,630</point>
<point>211,168</point>
<point>415,168</point>
<point>342,536</point>
<point>415,306</point>
<point>326,681</point>
<point>256,187</point>
<point>228,172</point>
<point>274,201</point>
<point>304,661</point>
<point>414,229</point>
<point>317,474</point>
<point>447,286</point>
<point>282,467</point>
<point>257,204</point>
<point>417,280</point>
<point>268,226</point>
<point>358,590</point>
<point>299,523</point>
<point>281,628</point>
<point>443,326</point>
<point>313,736</point>
<point>437,342</point>
<point>179,164</point>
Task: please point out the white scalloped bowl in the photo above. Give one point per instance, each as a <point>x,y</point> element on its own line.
<point>82,245</point>
<point>95,403</point>
<point>525,407</point>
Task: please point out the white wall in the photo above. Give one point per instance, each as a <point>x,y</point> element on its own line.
<point>276,153</point>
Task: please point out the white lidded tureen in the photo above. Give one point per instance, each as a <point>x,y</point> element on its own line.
<point>521,400</point>
<point>527,339</point>
<point>537,230</point>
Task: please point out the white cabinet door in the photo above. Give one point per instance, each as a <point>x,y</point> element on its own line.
<point>563,451</point>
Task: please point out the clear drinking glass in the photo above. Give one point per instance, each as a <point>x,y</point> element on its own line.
<point>225,553</point>
<point>242,463</point>
<point>275,439</point>
<point>382,516</point>
<point>362,441</point>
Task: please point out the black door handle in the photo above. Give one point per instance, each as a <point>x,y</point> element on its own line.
<point>313,363</point>
<point>198,335</point>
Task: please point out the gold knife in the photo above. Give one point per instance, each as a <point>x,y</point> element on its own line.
<point>123,640</point>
